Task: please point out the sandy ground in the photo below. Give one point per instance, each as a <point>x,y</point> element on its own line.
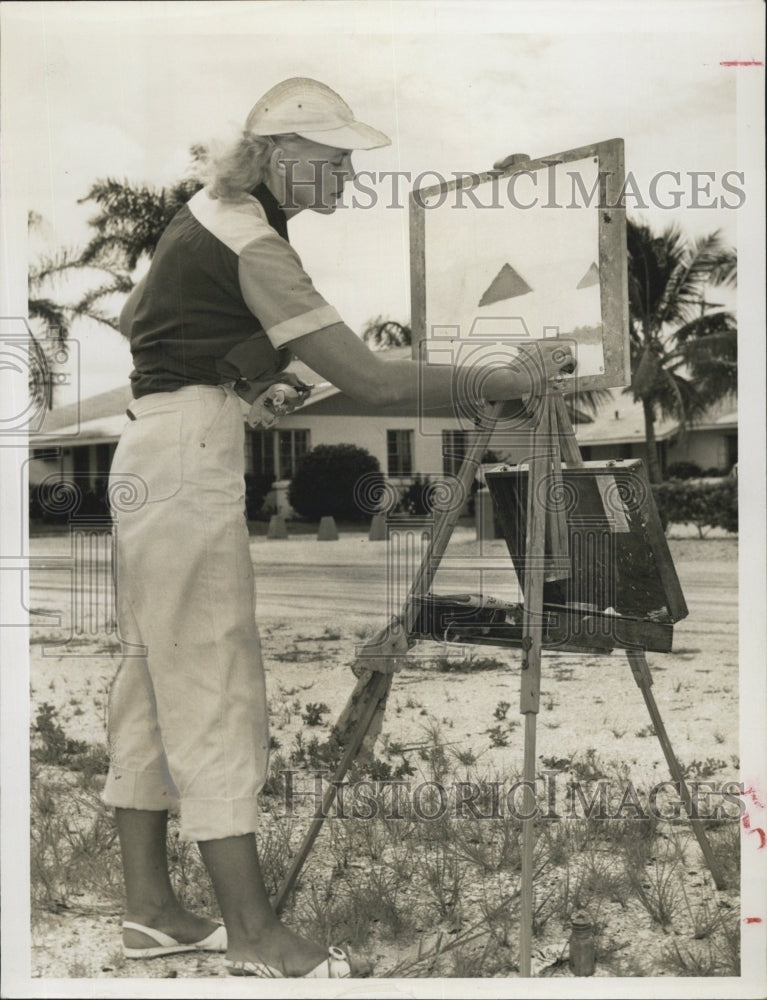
<point>317,600</point>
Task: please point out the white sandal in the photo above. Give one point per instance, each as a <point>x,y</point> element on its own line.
<point>335,966</point>
<point>167,945</point>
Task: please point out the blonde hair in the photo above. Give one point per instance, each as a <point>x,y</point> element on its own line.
<point>240,167</point>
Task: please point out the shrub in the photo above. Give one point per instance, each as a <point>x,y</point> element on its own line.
<point>706,505</point>
<point>257,485</point>
<point>683,470</point>
<point>53,502</point>
<point>325,480</point>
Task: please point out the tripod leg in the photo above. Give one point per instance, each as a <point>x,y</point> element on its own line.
<point>643,677</point>
<point>388,644</point>
<point>530,691</point>
<point>377,691</point>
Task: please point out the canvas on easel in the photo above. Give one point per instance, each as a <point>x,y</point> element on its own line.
<point>533,251</point>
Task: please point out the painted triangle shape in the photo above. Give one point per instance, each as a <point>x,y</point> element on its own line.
<point>507,284</point>
<point>591,277</point>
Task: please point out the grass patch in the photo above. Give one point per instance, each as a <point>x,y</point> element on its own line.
<point>439,886</point>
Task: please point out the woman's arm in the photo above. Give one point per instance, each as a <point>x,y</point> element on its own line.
<point>339,356</point>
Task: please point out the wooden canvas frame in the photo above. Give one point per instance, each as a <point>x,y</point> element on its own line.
<point>613,271</point>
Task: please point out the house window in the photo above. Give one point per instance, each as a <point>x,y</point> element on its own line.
<point>454,447</point>
<point>262,453</point>
<point>104,453</point>
<point>399,453</point>
<point>276,453</point>
<point>292,446</point>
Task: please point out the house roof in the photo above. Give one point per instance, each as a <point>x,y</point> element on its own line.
<point>621,421</point>
<point>101,418</point>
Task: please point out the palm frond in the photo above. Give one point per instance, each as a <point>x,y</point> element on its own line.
<point>724,271</point>
<point>101,317</point>
<point>55,317</point>
<point>709,325</point>
<point>48,267</point>
<point>589,402</point>
<point>684,289</point>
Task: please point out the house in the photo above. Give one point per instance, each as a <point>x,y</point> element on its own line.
<point>76,442</point>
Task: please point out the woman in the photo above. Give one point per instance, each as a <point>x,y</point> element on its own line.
<point>225,304</point>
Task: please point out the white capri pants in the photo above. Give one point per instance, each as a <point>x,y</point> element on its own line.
<point>187,710</point>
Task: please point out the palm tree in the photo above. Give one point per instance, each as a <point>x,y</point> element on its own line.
<point>128,225</point>
<point>56,318</point>
<point>381,334</point>
<point>131,220</point>
<point>683,356</point>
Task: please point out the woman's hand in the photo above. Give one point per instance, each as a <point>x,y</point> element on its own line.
<point>539,367</point>
<point>250,391</point>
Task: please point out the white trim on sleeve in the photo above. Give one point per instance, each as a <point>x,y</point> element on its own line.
<point>299,326</point>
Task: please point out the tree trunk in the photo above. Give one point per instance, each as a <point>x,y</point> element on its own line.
<point>651,448</point>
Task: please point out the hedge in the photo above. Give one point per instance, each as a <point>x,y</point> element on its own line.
<point>706,505</point>
<point>339,480</point>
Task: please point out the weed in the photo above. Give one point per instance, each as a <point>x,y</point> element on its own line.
<point>475,961</point>
<point>493,845</point>
<point>500,914</point>
<point>544,910</point>
<point>725,844</point>
<point>690,961</point>
<point>78,970</point>
<point>657,890</point>
<point>648,730</point>
<point>470,664</point>
<point>192,883</point>
<point>443,876</point>
<point>73,846</point>
<point>589,767</point>
<point>604,877</point>
<point>54,746</point>
<point>434,752</point>
<point>728,942</point>
<point>314,713</point>
<point>501,710</point>
<point>275,851</point>
<point>499,737</point>
<point>702,769</point>
<point>705,920</point>
<point>556,763</point>
<point>558,840</point>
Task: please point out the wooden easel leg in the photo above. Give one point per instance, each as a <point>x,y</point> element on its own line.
<point>643,677</point>
<point>377,691</point>
<point>528,850</point>
<point>389,644</point>
<point>530,688</point>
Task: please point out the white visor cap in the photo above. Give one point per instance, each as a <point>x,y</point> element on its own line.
<point>310,109</point>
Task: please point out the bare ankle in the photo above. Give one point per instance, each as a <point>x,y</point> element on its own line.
<point>153,913</point>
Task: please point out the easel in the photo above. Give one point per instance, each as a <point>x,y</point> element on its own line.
<point>553,441</point>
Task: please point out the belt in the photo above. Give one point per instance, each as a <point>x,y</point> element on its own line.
<point>226,386</point>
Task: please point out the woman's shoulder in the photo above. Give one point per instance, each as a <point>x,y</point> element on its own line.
<point>235,222</point>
